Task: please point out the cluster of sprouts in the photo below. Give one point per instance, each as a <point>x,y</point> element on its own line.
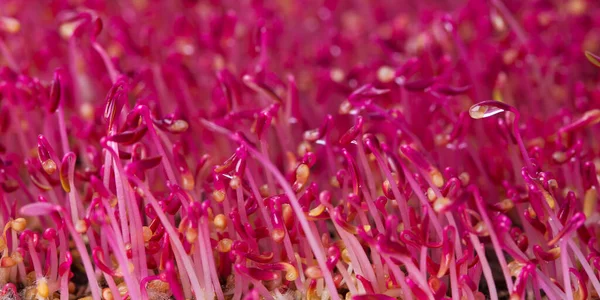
<point>299,149</point>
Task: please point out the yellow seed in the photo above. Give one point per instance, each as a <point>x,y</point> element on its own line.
<point>291,273</point>
<point>303,148</point>
<point>158,286</point>
<point>510,56</point>
<point>218,195</point>
<point>337,75</point>
<point>130,269</point>
<point>441,139</point>
<point>311,135</point>
<point>81,226</point>
<point>313,272</point>
<point>515,268</point>
<point>590,200</point>
<point>437,178</point>
<point>386,186</point>
<point>371,157</point>
<point>531,212</point>
<point>179,126</point>
<point>10,25</point>
<point>345,108</point>
<point>146,233</point>
<point>464,178</point>
<point>71,286</point>
<point>220,222</point>
<point>385,74</point>
<point>191,234</point>
<point>66,30</point>
<point>506,204</point>
<point>497,22</point>
<point>317,211</point>
<point>42,288</point>
<point>264,190</point>
<point>481,229</point>
<point>107,294</point>
<point>597,165</point>
<point>86,110</point>
<point>346,256</point>
<point>302,173</point>
<point>287,213</point>
<point>431,194</point>
<point>441,204</point>
<point>18,224</point>
<point>559,156</point>
<point>278,234</point>
<point>333,181</point>
<point>224,245</point>
<point>576,7</point>
<point>49,166</point>
<point>30,278</point>
<point>17,257</point>
<point>235,182</point>
<point>210,213</point>
<point>113,201</point>
<point>187,182</point>
<point>549,199</point>
<point>555,252</point>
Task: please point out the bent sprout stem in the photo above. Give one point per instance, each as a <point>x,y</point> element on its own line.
<point>491,107</point>
<point>306,149</point>
<point>172,235</point>
<point>496,243</point>
<point>314,244</point>
<point>45,208</point>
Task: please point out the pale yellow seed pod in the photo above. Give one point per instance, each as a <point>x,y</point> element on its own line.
<point>440,204</point>
<point>385,74</point>
<point>264,190</point>
<point>464,178</point>
<point>235,182</point>
<point>146,233</point>
<point>42,288</point>
<point>436,178</point>
<point>9,25</point>
<point>337,75</point>
<point>302,173</point>
<point>224,245</point>
<point>179,126</point>
<point>187,182</point>
<point>18,224</point>
<point>346,256</point>
<point>313,272</point>
<point>81,226</point>
<point>49,166</point>
<point>191,234</point>
<point>431,195</point>
<point>590,201</point>
<point>18,258</point>
<point>303,148</point>
<point>220,222</point>
<point>218,195</point>
<point>107,294</point>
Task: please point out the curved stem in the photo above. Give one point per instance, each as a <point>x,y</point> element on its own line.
<point>314,243</point>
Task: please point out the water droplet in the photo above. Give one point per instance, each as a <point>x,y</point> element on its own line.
<point>483,111</point>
